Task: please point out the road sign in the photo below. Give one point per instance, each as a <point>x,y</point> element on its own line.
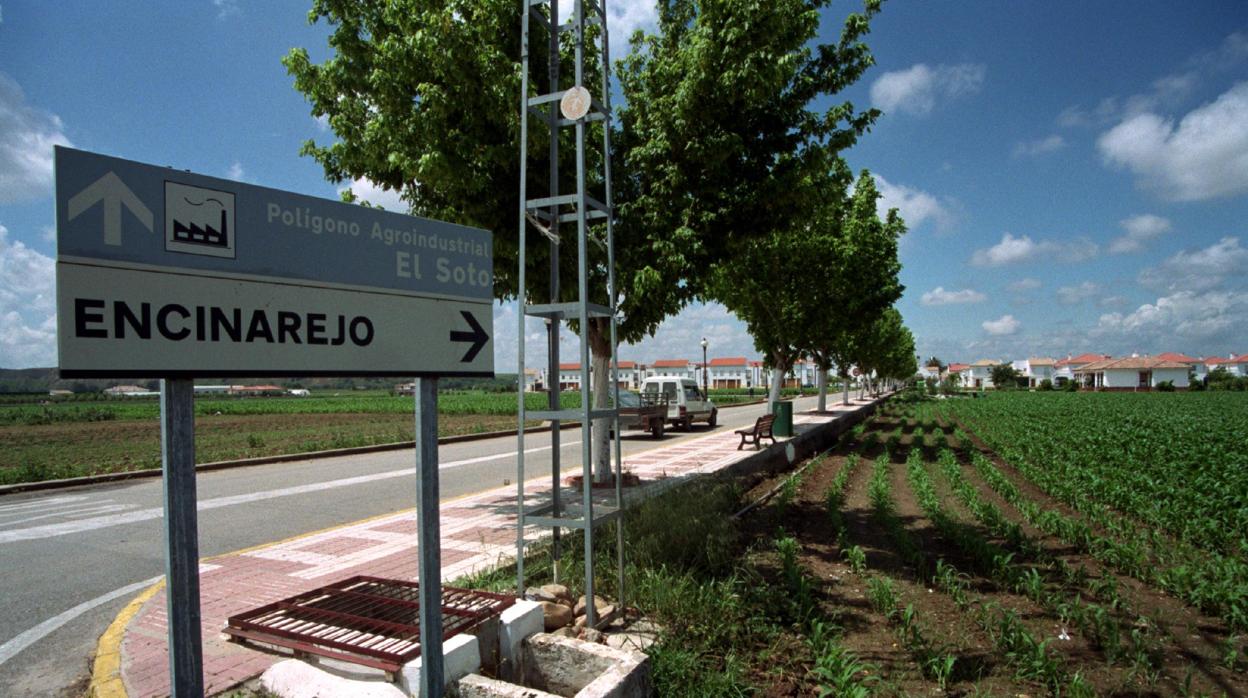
<point>164,273</point>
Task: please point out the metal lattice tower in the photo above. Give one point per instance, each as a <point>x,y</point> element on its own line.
<point>555,109</point>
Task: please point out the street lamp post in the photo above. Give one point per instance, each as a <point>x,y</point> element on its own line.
<point>706,388</point>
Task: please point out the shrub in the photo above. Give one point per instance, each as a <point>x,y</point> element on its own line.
<point>1046,384</point>
<point>1166,386</point>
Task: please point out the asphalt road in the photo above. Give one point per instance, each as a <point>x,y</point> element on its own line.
<point>67,556</point>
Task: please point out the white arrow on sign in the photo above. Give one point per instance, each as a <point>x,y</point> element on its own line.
<point>113,192</point>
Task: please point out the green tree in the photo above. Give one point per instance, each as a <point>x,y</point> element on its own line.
<point>884,351</point>
<point>1004,376</point>
<point>861,283</point>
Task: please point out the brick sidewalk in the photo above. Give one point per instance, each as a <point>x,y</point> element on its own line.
<point>478,532</point>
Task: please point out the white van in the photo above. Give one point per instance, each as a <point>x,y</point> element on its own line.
<point>685,401</point>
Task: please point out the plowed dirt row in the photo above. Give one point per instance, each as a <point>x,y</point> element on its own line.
<point>1188,648</point>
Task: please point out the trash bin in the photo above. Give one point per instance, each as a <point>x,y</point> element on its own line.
<point>783,411</point>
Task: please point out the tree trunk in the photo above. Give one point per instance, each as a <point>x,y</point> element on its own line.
<point>845,388</point>
<point>604,391</point>
<point>821,379</point>
<point>773,393</point>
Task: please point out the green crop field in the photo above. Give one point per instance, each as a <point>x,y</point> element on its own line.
<point>1165,473</point>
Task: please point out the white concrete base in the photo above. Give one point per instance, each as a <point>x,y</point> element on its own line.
<point>570,667</point>
<point>461,656</point>
<point>517,624</point>
<point>292,678</point>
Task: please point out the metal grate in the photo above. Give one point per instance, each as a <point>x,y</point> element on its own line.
<point>364,620</point>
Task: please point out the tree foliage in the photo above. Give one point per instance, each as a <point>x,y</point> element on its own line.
<point>1004,376</point>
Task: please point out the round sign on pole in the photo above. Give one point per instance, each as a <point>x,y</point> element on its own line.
<point>575,103</point>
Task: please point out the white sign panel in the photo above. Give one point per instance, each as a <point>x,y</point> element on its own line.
<point>164,273</point>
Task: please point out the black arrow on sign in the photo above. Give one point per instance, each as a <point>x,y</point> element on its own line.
<point>477,336</point>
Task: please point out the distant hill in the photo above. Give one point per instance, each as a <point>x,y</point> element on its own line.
<point>41,380</point>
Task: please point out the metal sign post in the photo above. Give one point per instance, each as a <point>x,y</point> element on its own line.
<point>177,451</point>
<point>429,524</point>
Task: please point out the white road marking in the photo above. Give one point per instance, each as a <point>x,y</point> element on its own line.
<point>96,509</point>
<point>121,519</point>
<point>9,649</point>
<point>39,503</point>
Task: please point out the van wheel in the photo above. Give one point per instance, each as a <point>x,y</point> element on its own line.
<point>657,429</point>
<point>714,419</point>
<point>688,425</point>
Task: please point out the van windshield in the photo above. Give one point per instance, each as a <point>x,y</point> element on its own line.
<point>692,393</point>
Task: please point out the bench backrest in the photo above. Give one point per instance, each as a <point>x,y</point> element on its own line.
<point>764,422</point>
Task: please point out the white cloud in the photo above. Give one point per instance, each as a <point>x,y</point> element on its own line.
<point>1140,229</point>
<point>1185,317</point>
<point>1204,157</point>
<point>1039,147</point>
<point>27,305</point>
<point>917,88</point>
<point>1006,324</point>
<point>1071,295</point>
<point>1013,250</point>
<point>1027,284</point>
<point>226,8</point>
<point>915,205</point>
<point>1199,270</point>
<point>376,195</point>
<point>627,16</point>
<point>47,233</point>
<point>236,172</point>
<point>939,296</point>
<point>27,136</point>
<point>322,123</point>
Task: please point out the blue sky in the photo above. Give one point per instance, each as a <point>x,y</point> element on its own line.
<point>1075,176</point>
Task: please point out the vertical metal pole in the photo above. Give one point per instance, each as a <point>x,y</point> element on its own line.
<point>552,329</point>
<point>582,242</point>
<point>428,524</point>
<point>614,299</point>
<point>177,450</point>
<point>521,297</point>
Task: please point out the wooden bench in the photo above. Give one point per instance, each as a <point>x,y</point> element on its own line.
<point>761,430</point>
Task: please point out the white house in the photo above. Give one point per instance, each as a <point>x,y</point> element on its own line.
<point>980,374</point>
<point>729,372</point>
<point>1195,366</point>
<point>1234,365</point>
<point>1038,370</point>
<point>1064,369</point>
<point>533,380</point>
<point>569,377</point>
<point>1133,373</point>
<point>679,368</point>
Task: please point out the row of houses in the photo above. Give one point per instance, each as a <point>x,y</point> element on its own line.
<point>258,390</point>
<point>736,372</point>
<point>1100,371</point>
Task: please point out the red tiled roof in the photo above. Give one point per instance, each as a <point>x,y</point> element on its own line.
<point>1175,356</point>
<point>957,368</point>
<point>1082,359</point>
<point>1130,363</point>
<point>671,363</point>
<point>628,364</point>
<point>729,361</point>
<point>569,367</point>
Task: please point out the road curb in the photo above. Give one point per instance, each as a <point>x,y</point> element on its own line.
<point>280,458</point>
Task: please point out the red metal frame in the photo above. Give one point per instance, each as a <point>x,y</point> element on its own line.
<point>364,620</point>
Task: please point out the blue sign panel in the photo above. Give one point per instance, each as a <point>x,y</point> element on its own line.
<point>121,211</point>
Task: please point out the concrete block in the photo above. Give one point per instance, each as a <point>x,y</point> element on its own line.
<point>476,686</point>
<point>570,667</point>
<point>293,678</point>
<point>516,624</point>
<point>461,656</point>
